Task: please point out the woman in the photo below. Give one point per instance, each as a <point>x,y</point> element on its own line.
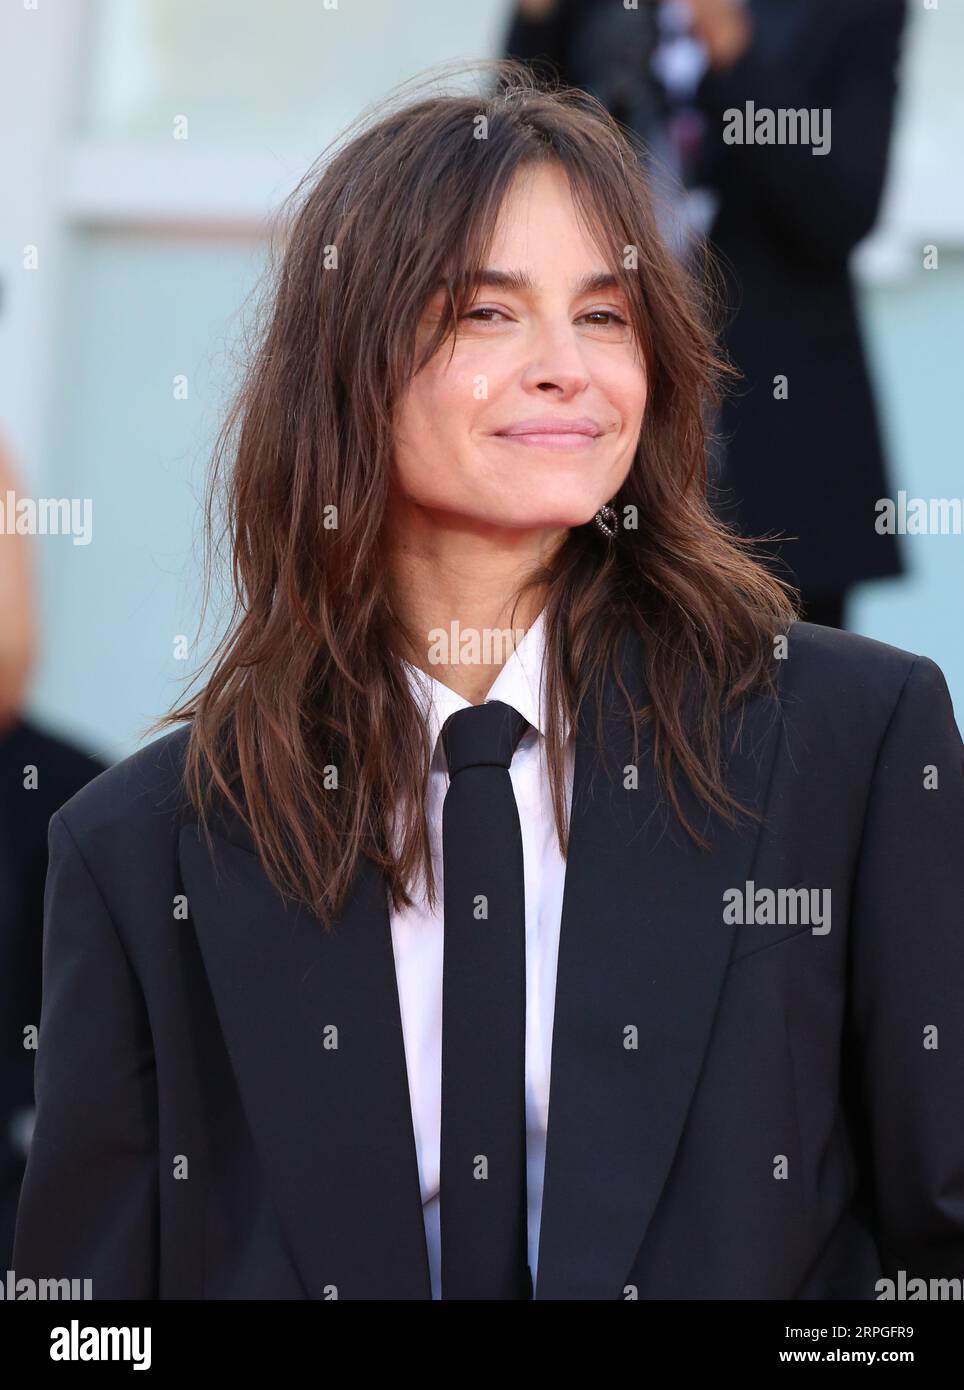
<point>469,454</point>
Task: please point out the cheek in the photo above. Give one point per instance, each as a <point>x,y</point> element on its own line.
<point>438,415</point>
<point>452,408</point>
<point>447,395</point>
<point>472,378</point>
<point>628,390</point>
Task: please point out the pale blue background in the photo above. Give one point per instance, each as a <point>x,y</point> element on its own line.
<point>138,304</point>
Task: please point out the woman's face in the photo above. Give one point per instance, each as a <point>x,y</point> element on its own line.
<point>546,348</point>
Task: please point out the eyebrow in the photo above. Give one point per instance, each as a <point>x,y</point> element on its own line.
<point>519,282</point>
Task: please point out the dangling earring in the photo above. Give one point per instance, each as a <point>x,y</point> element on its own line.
<point>607,521</point>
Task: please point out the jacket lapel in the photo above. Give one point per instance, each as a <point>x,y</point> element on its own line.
<point>642,955</point>
<point>313,1027</point>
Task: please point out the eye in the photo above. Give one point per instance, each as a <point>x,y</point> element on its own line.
<point>483,309</point>
<point>598,318</point>
<point>616,320</point>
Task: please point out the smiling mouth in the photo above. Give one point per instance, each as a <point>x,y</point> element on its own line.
<point>566,442</point>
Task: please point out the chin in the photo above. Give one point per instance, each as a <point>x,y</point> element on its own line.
<point>565,518</point>
<point>568,508</point>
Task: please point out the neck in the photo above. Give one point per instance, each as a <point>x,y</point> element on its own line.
<point>454,582</point>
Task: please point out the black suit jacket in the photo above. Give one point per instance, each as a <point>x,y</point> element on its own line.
<point>62,769</point>
<point>778,1129</point>
<point>810,467</point>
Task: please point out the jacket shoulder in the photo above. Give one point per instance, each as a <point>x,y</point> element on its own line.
<point>856,680</point>
<point>136,798</point>
<point>824,650</point>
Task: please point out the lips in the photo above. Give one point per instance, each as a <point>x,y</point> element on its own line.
<point>551,427</point>
<point>556,434</point>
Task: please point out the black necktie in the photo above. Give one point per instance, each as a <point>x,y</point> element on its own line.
<point>482,1186</point>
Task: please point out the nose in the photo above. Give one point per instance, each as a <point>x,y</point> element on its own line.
<point>556,358</point>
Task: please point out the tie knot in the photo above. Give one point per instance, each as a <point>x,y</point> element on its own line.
<point>482,735</point>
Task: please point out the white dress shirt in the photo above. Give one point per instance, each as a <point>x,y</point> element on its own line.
<point>417,933</point>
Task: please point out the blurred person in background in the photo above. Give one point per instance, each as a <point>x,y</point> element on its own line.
<point>38,773</point>
<point>800,454</point>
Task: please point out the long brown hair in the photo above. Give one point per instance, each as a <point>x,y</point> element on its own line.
<point>308,675</point>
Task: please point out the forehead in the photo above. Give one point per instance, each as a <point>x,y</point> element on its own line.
<point>539,222</point>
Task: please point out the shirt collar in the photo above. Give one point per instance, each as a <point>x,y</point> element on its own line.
<point>518,684</point>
